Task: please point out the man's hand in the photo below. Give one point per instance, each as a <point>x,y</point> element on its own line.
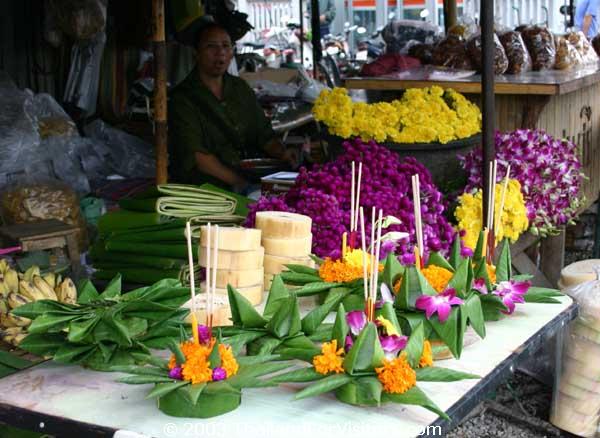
<point>323,19</point>
<point>291,157</point>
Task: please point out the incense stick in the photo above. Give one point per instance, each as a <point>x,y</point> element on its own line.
<point>364,254</point>
<point>417,213</point>
<point>208,271</point>
<point>352,200</point>
<point>214,274</point>
<point>188,235</point>
<point>375,262</point>
<point>371,257</point>
<point>502,199</point>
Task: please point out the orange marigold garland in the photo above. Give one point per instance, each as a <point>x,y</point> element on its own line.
<point>331,360</point>
<point>346,269</point>
<point>396,375</point>
<point>491,272</point>
<point>228,362</point>
<point>427,355</point>
<point>437,277</point>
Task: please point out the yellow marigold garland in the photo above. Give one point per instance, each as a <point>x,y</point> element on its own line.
<point>196,367</point>
<point>427,355</point>
<point>228,362</point>
<point>331,360</point>
<point>396,375</point>
<point>437,277</point>
<point>347,269</point>
<point>514,220</point>
<point>422,115</point>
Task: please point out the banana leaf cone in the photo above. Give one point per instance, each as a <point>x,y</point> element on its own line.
<point>368,364</point>
<point>212,394</point>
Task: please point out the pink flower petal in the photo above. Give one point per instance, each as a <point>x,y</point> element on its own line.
<point>443,311</point>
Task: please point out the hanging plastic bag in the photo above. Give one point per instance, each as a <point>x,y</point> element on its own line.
<point>476,54</point>
<point>583,47</point>
<point>399,33</point>
<point>567,55</point>
<point>540,43</point>
<point>452,52</point>
<point>519,60</point>
<point>576,398</point>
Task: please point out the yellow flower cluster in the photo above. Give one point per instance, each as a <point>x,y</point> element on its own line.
<point>330,360</point>
<point>348,269</point>
<point>196,367</point>
<point>396,375</point>
<point>514,220</point>
<point>422,115</point>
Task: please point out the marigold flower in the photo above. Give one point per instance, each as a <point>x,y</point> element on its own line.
<point>347,269</point>
<point>491,272</point>
<point>330,360</point>
<point>427,355</point>
<point>228,362</point>
<point>396,375</point>
<point>437,277</point>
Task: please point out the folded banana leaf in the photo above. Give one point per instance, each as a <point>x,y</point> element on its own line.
<point>173,224</point>
<point>203,204</point>
<point>142,275</point>
<point>162,249</point>
<point>124,219</point>
<point>169,234</point>
<point>241,209</point>
<point>100,255</point>
<point>147,205</point>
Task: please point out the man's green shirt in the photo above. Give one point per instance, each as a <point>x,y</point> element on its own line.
<point>232,129</point>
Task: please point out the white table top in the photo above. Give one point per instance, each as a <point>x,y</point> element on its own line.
<point>94,397</point>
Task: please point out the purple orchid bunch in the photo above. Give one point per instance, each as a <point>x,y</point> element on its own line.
<point>441,304</point>
<point>511,292</point>
<point>390,338</point>
<point>324,194</point>
<point>547,168</point>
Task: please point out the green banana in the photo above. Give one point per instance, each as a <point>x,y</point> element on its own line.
<point>44,288</point>
<point>11,279</point>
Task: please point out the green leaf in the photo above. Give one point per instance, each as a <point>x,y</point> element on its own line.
<point>193,392</point>
<point>314,288</point>
<point>313,319</point>
<point>392,270</point>
<point>298,376</point>
<point>318,260</point>
<point>299,341</point>
<point>248,377</point>
<point>414,347</point>
<point>142,379</point>
<point>116,325</point>
<point>79,330</point>
<point>436,259</point>
<point>302,269</point>
<point>38,308</point>
<point>522,277</point>
<point>303,354</point>
<point>139,370</point>
<point>179,356</point>
<point>263,345</point>
<point>286,321</point>
<point>438,374</point>
<point>424,286</point>
<point>46,344</point>
<point>255,360</point>
<point>474,311</point>
<point>364,391</point>
<point>238,341</point>
<point>478,253</point>
<point>107,350</point>
<point>389,313</point>
<point>70,353</point>
<point>242,312</point>
<point>214,359</point>
<point>481,271</point>
<point>366,352</point>
<point>87,292</point>
<point>323,333</point>
<point>51,321</point>
<point>277,295</point>
<point>151,360</point>
<point>460,278</point>
<point>542,295</point>
<point>503,267</point>
<point>340,327</point>
<point>448,330</point>
<point>148,310</point>
<point>455,256</point>
<point>299,279</point>
<point>414,396</point>
<point>322,386</point>
<point>492,307</point>
<point>113,290</point>
<point>162,389</point>
<point>410,289</point>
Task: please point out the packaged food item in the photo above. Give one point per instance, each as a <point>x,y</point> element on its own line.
<point>452,52</point>
<point>583,47</point>
<point>540,43</point>
<point>596,44</point>
<point>566,54</point>
<point>398,34</point>
<point>519,60</point>
<point>476,54</point>
<point>423,52</point>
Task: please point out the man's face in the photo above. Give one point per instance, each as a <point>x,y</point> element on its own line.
<point>214,53</point>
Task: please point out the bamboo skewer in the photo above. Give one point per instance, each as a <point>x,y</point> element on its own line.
<point>364,254</point>
<point>375,262</point>
<point>357,206</point>
<point>416,187</point>
<point>208,270</point>
<point>352,200</point>
<point>372,265</point>
<point>211,297</point>
<point>188,235</point>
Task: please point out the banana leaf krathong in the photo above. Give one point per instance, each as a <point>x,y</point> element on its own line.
<point>106,329</point>
<point>201,380</point>
<point>280,326</point>
<point>370,363</point>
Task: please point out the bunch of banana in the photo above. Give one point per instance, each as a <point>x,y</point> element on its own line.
<point>17,289</point>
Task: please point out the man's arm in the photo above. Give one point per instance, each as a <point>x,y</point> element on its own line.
<point>211,165</point>
<point>587,22</point>
<point>275,149</point>
<point>591,12</point>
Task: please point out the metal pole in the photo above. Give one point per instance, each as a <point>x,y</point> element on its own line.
<point>316,34</point>
<point>487,93</point>
<point>160,90</point>
<point>301,34</point>
<point>450,14</point>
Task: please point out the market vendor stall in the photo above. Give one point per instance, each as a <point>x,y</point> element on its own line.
<point>72,401</point>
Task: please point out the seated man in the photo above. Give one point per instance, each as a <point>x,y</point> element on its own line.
<point>215,119</point>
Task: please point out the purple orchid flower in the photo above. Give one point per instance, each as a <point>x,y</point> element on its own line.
<point>512,292</point>
<point>357,320</point>
<point>219,374</point>
<point>204,334</point>
<point>480,286</point>
<point>348,343</point>
<point>386,296</point>
<point>392,345</point>
<point>441,304</point>
<point>176,373</point>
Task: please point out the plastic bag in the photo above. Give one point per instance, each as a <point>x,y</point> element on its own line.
<point>452,52</point>
<point>583,47</point>
<point>398,33</point>
<point>540,43</point>
<point>423,52</point>
<point>576,398</point>
<point>596,44</point>
<point>51,118</point>
<point>465,28</point>
<point>476,54</point>
<point>516,51</point>
<point>567,55</point>
<point>80,19</point>
<point>124,153</point>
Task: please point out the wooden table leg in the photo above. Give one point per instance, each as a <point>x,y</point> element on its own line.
<point>532,109</point>
<point>552,257</point>
<point>73,248</point>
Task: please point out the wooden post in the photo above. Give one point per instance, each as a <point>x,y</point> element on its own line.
<point>160,90</point>
<point>487,93</point>
<point>450,14</point>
